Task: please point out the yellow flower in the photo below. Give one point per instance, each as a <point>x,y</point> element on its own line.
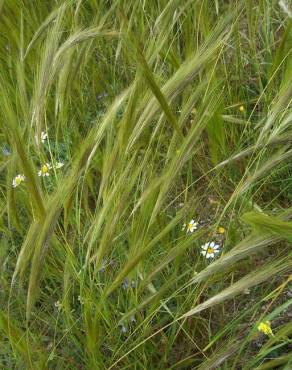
<point>17,180</point>
<point>220,230</point>
<point>241,109</point>
<point>265,328</point>
<point>44,171</point>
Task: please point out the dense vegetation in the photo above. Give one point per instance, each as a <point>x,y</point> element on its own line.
<point>121,121</point>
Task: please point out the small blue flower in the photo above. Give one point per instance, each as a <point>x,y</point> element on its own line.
<point>102,95</point>
<point>126,284</point>
<point>106,263</point>
<point>6,151</point>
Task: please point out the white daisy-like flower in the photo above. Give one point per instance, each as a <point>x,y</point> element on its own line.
<point>191,226</point>
<point>44,136</point>
<point>210,249</point>
<point>17,180</point>
<point>44,171</point>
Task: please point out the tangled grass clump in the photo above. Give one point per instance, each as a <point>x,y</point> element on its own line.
<point>145,175</point>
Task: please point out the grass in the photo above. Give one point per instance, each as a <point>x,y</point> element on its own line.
<point>161,112</point>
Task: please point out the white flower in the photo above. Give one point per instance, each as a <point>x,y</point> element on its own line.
<point>191,226</point>
<point>210,249</point>
<point>44,171</point>
<point>44,136</point>
<point>58,305</point>
<point>124,329</point>
<point>80,300</point>
<point>17,180</point>
<point>59,165</point>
